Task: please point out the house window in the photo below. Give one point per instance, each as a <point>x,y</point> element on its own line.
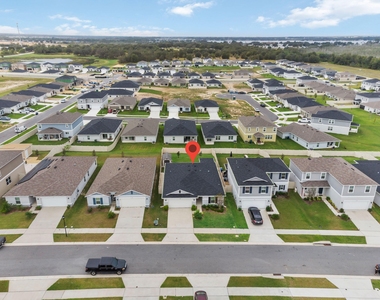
<point>97,201</point>
<point>173,138</point>
<point>211,200</point>
<point>307,144</point>
<point>274,129</point>
<point>131,138</point>
<point>17,199</point>
<point>308,175</point>
<point>351,189</point>
<point>145,138</point>
<point>84,178</point>
<point>264,129</point>
<point>319,120</point>
<point>367,189</point>
<point>217,137</point>
<point>330,128</point>
<point>257,129</point>
<point>8,180</point>
<point>230,137</point>
<point>323,175</point>
<point>39,126</point>
<point>281,187</point>
<point>283,176</point>
<point>331,121</point>
<point>317,145</point>
<point>270,175</point>
<point>209,140</point>
<point>247,190</point>
<point>268,137</point>
<point>67,125</point>
<point>250,136</point>
<point>263,190</point>
<point>88,138</point>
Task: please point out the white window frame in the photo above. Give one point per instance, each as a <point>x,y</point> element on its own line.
<point>307,175</point>
<point>323,175</point>
<point>351,188</point>
<point>367,189</point>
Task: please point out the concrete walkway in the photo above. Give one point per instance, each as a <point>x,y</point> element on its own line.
<point>180,226</point>
<point>43,226</point>
<point>140,286</point>
<point>128,226</point>
<point>367,225</point>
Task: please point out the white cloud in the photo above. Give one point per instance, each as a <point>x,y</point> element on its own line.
<point>5,10</point>
<point>65,29</point>
<point>72,19</point>
<point>188,9</point>
<point>8,29</point>
<point>126,31</point>
<point>325,13</point>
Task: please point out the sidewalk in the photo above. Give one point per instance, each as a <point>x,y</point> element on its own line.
<point>138,286</point>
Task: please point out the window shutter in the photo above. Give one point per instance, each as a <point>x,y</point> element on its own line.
<point>279,175</point>
<point>101,201</point>
<point>266,190</point>
<point>94,201</point>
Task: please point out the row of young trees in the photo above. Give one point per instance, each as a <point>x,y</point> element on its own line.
<point>169,50</point>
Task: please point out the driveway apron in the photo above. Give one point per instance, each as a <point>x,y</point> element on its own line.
<point>180,226</point>
<point>128,226</point>
<point>214,116</point>
<point>366,224</point>
<point>43,226</point>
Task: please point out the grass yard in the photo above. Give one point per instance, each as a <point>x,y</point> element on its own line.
<point>15,84</point>
<point>81,237</point>
<point>12,237</point>
<point>184,158</point>
<point>74,108</point>
<point>15,219</point>
<point>222,237</point>
<point>134,112</point>
<point>34,140</point>
<point>16,115</point>
<point>296,213</point>
<point>358,71</point>
<point>376,212</point>
<point>150,91</point>
<point>4,286</point>
<point>290,282</point>
<point>368,136</point>
<point>230,218</point>
<point>87,283</point>
<point>176,282</point>
<point>351,159</point>
<point>222,158</point>
<point>341,239</point>
<point>20,134</point>
<point>376,283</point>
<point>153,237</point>
<point>286,159</point>
<point>39,154</point>
<point>77,143</point>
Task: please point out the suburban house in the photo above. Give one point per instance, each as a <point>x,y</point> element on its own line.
<point>70,80</point>
<point>333,177</point>
<point>206,105</point>
<point>122,103</point>
<point>255,84</point>
<point>126,85</point>
<point>12,169</point>
<point>345,76</point>
<point>161,82</point>
<point>181,105</point>
<point>38,96</point>
<point>60,125</point>
<point>372,107</point>
<point>93,100</point>
<point>371,169</point>
<point>218,131</point>
<point>114,93</point>
<point>193,75</point>
<point>370,84</point>
<point>301,81</point>
<point>241,74</point>
<point>362,98</point>
<point>307,136</point>
<point>177,131</point>
<point>196,84</point>
<point>272,85</point>
<point>56,181</point>
<point>256,129</point>
<point>255,180</point>
<point>214,83</point>
<point>299,103</point>
<point>149,103</point>
<point>179,82</point>
<point>187,184</point>
<point>127,182</point>
<point>208,75</point>
<point>100,130</point>
<point>140,131</point>
<point>291,74</point>
<point>7,106</point>
<point>332,121</point>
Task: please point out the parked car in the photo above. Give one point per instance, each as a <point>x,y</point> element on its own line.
<point>262,104</point>
<point>2,241</point>
<point>106,264</point>
<point>29,109</point>
<point>5,119</point>
<point>63,100</point>
<point>377,269</point>
<point>304,120</point>
<point>200,295</point>
<point>19,129</point>
<point>257,109</point>
<point>255,215</point>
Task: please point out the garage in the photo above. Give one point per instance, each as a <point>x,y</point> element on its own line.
<point>173,112</point>
<point>179,202</point>
<point>132,201</point>
<point>52,201</point>
<point>259,203</point>
<point>355,204</point>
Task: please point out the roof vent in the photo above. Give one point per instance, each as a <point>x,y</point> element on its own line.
<point>122,160</point>
<point>127,169</point>
<point>62,159</point>
<point>118,169</point>
<point>55,167</point>
<point>130,161</point>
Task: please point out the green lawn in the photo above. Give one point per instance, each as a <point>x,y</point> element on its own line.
<point>176,282</point>
<point>15,219</point>
<point>37,106</point>
<point>184,158</point>
<point>34,140</point>
<point>4,81</point>
<point>341,239</point>
<point>4,286</point>
<point>376,283</point>
<point>16,115</point>
<point>81,237</point>
<point>290,282</point>
<point>134,112</point>
<point>153,237</point>
<point>285,158</point>
<point>150,91</point>
<point>376,212</point>
<point>296,213</point>
<point>230,218</point>
<point>20,134</point>
<point>74,108</point>
<point>90,143</point>
<point>87,283</point>
<point>222,237</point>
<point>12,237</point>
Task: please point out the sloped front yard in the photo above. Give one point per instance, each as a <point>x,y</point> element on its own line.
<point>296,213</point>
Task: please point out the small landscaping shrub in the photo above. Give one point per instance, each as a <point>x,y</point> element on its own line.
<point>328,198</point>
<point>166,207</point>
<point>111,215</point>
<point>28,214</point>
<point>68,206</point>
<point>345,217</point>
<point>275,216</point>
<point>319,198</point>
<point>6,207</point>
<point>369,209</point>
<point>198,215</point>
<point>100,207</point>
<point>193,207</point>
<point>38,207</point>
<point>341,210</point>
<point>89,210</point>
<point>239,209</point>
<point>269,208</point>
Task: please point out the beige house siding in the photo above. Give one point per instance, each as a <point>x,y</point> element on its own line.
<point>247,135</point>
<point>16,170</point>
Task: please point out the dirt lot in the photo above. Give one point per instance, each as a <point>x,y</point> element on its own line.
<point>10,84</point>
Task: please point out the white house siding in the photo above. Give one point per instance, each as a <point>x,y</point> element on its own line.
<point>179,202</point>
<point>377,199</point>
<point>97,199</point>
<point>92,103</point>
<point>19,171</point>
<point>180,139</point>
<point>222,138</point>
<point>53,201</point>
<point>24,200</point>
<point>137,200</point>
<point>139,139</point>
<point>335,128</point>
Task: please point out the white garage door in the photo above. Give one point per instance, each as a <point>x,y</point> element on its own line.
<point>176,203</point>
<point>132,201</point>
<point>355,204</point>
<point>261,204</point>
<point>54,202</point>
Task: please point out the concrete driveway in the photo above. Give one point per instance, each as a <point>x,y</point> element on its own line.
<point>154,115</point>
<point>93,112</point>
<point>43,226</point>
<point>180,226</point>
<point>261,234</point>
<point>128,226</point>
<point>366,224</point>
<point>214,116</point>
<point>173,114</point>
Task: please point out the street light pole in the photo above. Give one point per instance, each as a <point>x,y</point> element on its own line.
<point>64,224</point>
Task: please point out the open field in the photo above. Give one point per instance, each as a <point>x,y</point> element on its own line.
<point>15,84</point>
<point>358,71</point>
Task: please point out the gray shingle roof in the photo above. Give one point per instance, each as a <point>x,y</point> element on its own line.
<point>94,95</point>
<point>119,92</point>
<point>141,127</point>
<point>253,171</point>
<point>307,133</point>
<point>184,180</point>
<point>155,101</point>
<point>120,175</point>
<point>6,156</point>
<point>255,121</point>
<point>206,103</point>
<point>102,125</point>
<point>334,114</point>
<point>179,102</point>
<point>124,84</point>
<point>180,127</point>
<point>62,118</point>
<point>213,128</point>
<point>124,100</point>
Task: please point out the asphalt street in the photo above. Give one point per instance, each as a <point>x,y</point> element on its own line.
<point>190,259</point>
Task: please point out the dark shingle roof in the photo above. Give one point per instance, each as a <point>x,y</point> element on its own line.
<point>52,86</point>
<point>196,80</point>
<point>211,129</point>
<point>253,171</point>
<point>94,95</point>
<point>371,168</point>
<point>302,102</point>
<point>155,101</point>
<point>7,103</point>
<point>334,114</point>
<point>273,82</point>
<point>30,93</point>
<point>119,92</point>
<point>124,84</point>
<point>184,180</point>
<point>180,127</point>
<point>103,125</point>
<point>206,103</point>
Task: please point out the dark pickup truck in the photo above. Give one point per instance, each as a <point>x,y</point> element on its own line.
<point>106,264</point>
<point>2,241</point>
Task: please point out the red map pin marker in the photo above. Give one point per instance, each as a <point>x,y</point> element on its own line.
<point>192,149</point>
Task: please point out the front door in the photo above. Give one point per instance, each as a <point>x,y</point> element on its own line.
<point>258,141</point>
<point>320,191</point>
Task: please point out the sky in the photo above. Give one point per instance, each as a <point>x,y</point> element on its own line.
<point>197,18</point>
